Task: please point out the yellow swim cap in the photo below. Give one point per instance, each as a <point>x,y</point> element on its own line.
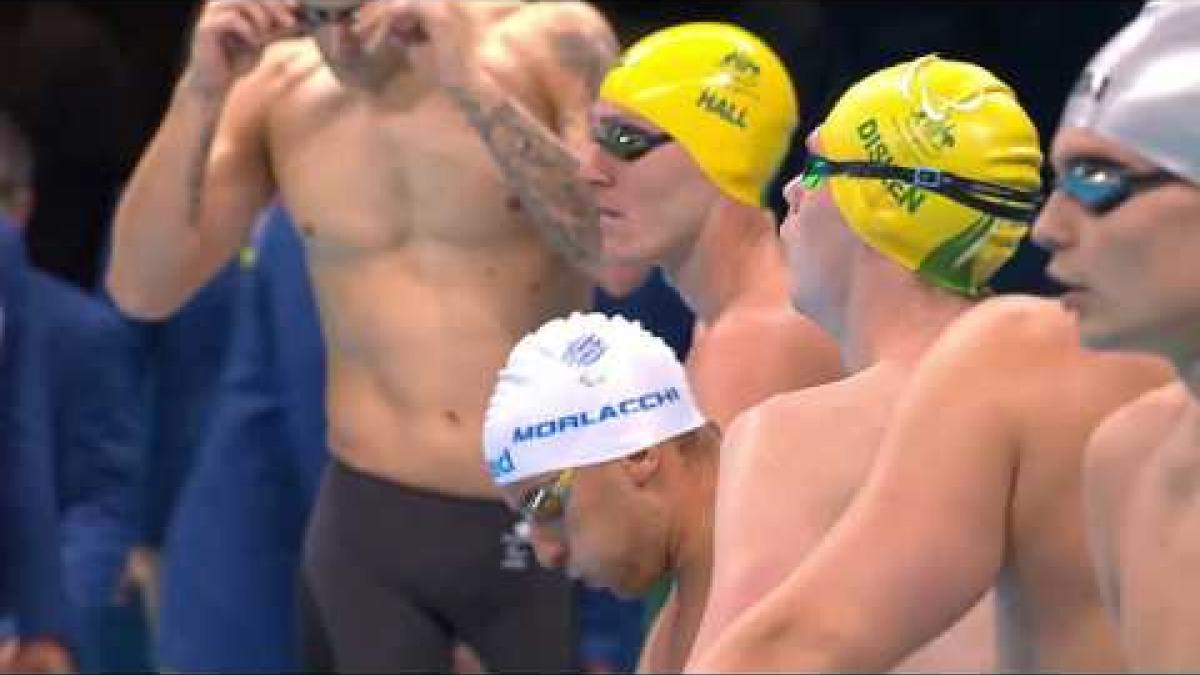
<point>718,90</point>
<point>946,115</point>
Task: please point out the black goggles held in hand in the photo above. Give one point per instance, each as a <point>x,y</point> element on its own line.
<point>314,16</point>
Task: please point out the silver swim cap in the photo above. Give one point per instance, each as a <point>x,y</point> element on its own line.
<point>1143,89</point>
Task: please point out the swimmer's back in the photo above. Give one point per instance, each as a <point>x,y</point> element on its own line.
<point>1046,395</point>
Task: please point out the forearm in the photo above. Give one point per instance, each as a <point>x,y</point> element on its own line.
<point>156,225</point>
<point>655,656</point>
<point>540,169</point>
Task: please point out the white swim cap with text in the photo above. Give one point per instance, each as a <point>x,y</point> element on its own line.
<point>584,390</point>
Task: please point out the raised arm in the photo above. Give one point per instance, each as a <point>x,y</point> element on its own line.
<point>569,46</point>
<point>921,543</point>
<point>205,175</point>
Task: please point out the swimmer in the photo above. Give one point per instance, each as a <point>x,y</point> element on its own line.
<point>1124,231</point>
<point>689,131</point>
<point>420,146</point>
<point>960,471</point>
<point>594,436</point>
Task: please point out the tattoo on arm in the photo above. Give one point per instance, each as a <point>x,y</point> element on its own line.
<point>535,161</point>
<point>542,172</point>
<point>584,56</point>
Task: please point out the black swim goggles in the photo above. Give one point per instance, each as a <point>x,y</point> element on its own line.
<point>626,142</point>
<point>313,17</point>
<point>996,200</point>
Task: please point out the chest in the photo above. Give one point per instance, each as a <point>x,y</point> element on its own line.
<point>360,173</point>
<point>1160,532</point>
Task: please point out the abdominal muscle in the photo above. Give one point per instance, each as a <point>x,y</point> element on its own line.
<point>415,337</point>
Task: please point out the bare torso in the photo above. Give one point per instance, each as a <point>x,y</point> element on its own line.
<point>977,484</point>
<point>1051,614</point>
<point>788,471</point>
<point>1156,534</point>
<point>425,270</point>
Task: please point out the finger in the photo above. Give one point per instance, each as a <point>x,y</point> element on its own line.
<point>237,34</point>
<point>260,17</point>
<point>373,10</point>
<point>395,16</point>
<point>369,17</point>
<point>287,23</point>
<point>374,26</point>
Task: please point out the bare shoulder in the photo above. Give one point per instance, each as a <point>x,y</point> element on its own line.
<point>775,337</point>
<point>1014,348</point>
<point>783,422</point>
<point>1010,357</point>
<point>1126,436</point>
<point>747,356</point>
<point>782,322</point>
<point>1008,327</point>
<point>559,16</point>
<point>752,430</point>
<point>547,28</point>
<point>777,326</point>
<point>574,36</point>
<point>1027,351</point>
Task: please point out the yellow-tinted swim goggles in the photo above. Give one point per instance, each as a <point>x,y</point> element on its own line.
<point>547,503</point>
<point>992,199</point>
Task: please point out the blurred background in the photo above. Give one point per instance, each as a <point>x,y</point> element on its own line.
<point>88,81</point>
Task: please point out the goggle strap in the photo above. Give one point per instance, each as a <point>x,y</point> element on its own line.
<point>966,191</point>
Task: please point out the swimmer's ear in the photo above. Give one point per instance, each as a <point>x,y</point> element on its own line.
<point>642,466</point>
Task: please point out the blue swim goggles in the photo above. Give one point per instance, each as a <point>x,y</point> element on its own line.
<point>1101,185</point>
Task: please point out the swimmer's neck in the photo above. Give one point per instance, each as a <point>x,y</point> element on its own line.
<point>735,259</point>
<point>889,314</point>
<point>690,541</point>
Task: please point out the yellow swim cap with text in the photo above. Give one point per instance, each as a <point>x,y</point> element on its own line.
<point>720,92</point>
<point>941,114</point>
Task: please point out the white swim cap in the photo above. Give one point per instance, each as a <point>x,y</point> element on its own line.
<point>1142,89</point>
<point>581,391</point>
